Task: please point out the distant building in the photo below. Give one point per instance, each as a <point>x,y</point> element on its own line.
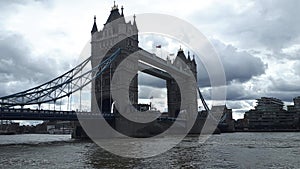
<point>296,107</point>
<point>59,127</point>
<point>269,115</point>
<point>142,107</point>
<point>226,123</point>
<point>8,127</point>
<point>241,125</point>
<point>295,110</point>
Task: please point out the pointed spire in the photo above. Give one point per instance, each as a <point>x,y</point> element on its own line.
<point>115,14</point>
<point>134,19</point>
<point>94,29</point>
<point>114,7</point>
<point>122,8</point>
<point>181,55</point>
<point>180,49</point>
<point>134,22</point>
<point>189,58</point>
<point>194,60</point>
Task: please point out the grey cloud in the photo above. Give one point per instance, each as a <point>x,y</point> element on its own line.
<point>278,88</point>
<point>19,68</point>
<point>284,89</point>
<point>145,92</point>
<point>269,24</point>
<point>296,68</point>
<point>236,91</point>
<point>284,96</point>
<point>289,56</point>
<point>238,65</point>
<point>285,85</point>
<point>148,80</point>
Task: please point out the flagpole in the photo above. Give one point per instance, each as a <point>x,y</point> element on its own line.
<point>159,47</point>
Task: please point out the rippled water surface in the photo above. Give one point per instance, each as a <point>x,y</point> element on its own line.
<point>234,150</point>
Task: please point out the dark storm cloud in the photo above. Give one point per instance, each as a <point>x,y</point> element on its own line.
<point>284,85</point>
<point>238,65</point>
<point>284,89</point>
<point>284,96</point>
<point>235,91</point>
<point>278,88</point>
<point>269,24</point>
<point>18,66</point>
<point>280,26</point>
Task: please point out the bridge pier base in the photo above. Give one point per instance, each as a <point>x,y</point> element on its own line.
<point>78,132</point>
<point>93,129</point>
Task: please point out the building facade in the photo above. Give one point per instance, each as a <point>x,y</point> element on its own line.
<point>295,110</point>
<point>269,115</point>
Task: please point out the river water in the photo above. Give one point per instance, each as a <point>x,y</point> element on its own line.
<point>232,150</point>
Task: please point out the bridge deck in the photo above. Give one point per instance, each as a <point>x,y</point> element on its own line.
<point>156,61</point>
<point>31,114</point>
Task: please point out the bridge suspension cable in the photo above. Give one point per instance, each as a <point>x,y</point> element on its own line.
<point>60,87</point>
<point>203,100</point>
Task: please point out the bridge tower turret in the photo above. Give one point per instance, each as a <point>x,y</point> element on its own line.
<point>182,62</point>
<point>116,33</point>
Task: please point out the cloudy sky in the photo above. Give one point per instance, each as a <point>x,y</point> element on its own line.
<point>258,43</point>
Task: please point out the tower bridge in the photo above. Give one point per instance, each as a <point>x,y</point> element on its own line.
<point>115,54</point>
<point>117,33</point>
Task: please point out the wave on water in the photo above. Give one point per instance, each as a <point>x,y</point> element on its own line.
<point>34,139</point>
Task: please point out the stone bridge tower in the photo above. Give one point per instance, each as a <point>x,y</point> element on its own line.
<point>174,96</point>
<point>116,33</point>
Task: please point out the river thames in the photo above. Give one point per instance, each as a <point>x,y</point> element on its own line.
<point>232,150</point>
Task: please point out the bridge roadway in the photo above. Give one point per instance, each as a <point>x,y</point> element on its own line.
<point>36,114</point>
<point>156,61</point>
